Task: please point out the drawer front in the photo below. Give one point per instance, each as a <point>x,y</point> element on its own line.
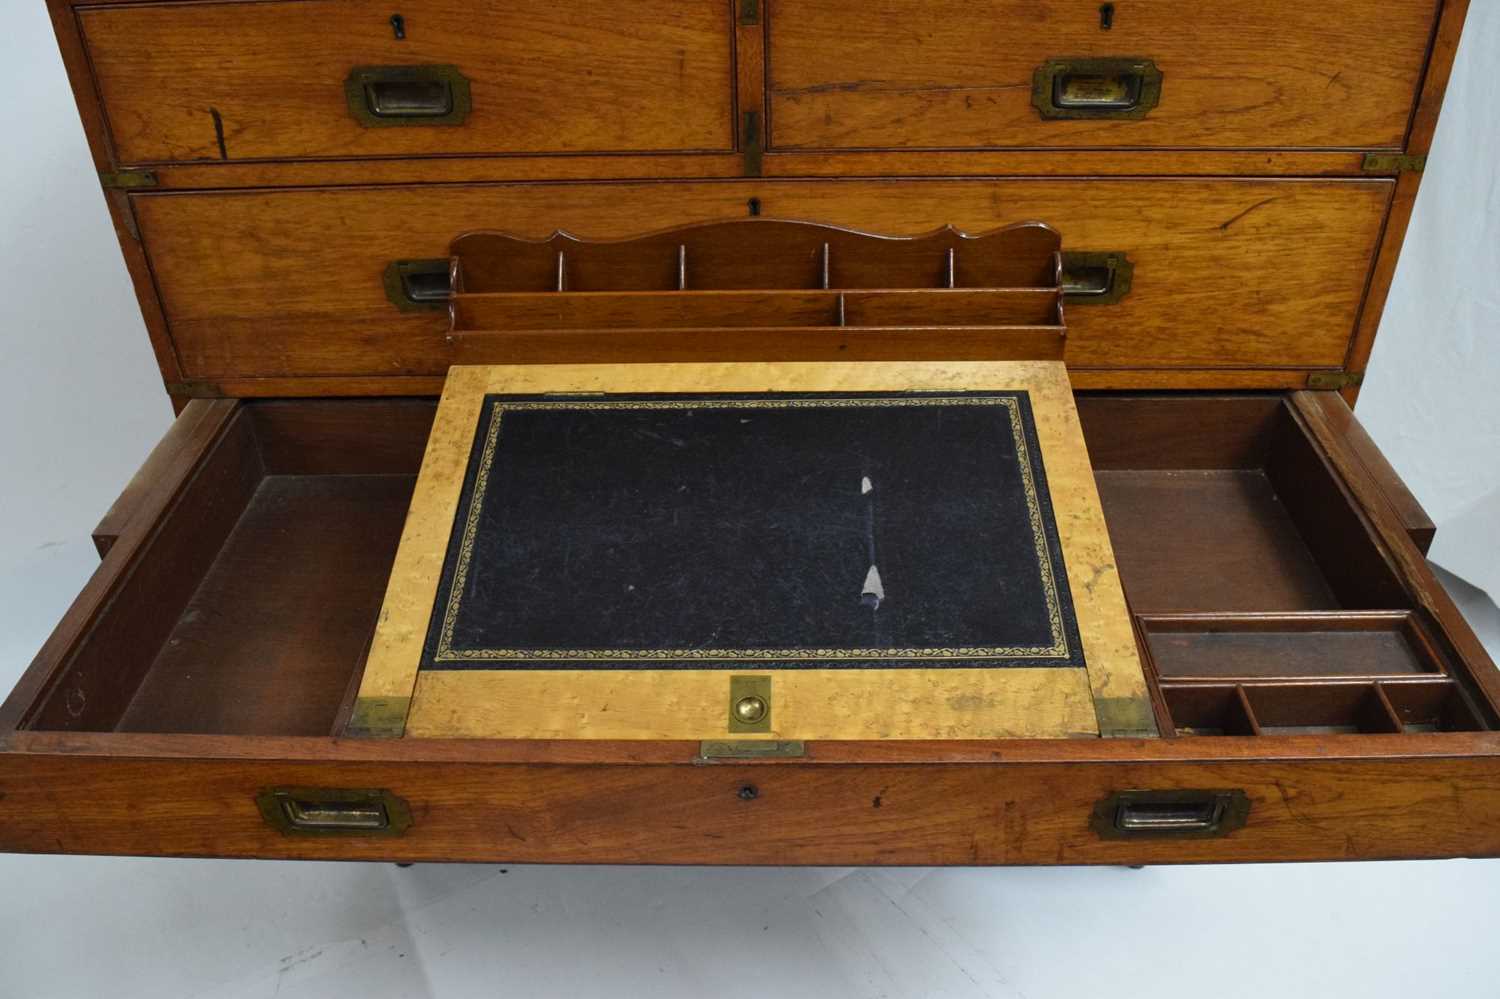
<point>1227,273</point>
<point>238,81</point>
<point>961,74</point>
<point>968,814</point>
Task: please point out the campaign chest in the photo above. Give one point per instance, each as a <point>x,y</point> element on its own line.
<point>292,182</point>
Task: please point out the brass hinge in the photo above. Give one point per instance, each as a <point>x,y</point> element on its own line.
<point>126,179</point>
<point>1125,717</point>
<point>749,749</point>
<point>751,143</point>
<point>378,717</point>
<point>749,12</point>
<point>1334,380</point>
<point>1394,163</point>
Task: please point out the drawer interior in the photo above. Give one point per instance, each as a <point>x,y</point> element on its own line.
<point>1262,603</point>
<point>282,612</point>
<point>251,607</point>
<point>1223,505</point>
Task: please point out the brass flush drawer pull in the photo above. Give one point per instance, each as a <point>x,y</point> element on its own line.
<point>414,285</point>
<point>1122,88</point>
<point>1095,278</point>
<point>1170,814</point>
<point>381,96</point>
<point>315,811</point>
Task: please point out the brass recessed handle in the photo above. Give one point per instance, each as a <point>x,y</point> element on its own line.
<point>315,811</point>
<point>1170,814</point>
<point>1096,278</point>
<point>381,96</point>
<point>418,285</point>
<point>1125,87</point>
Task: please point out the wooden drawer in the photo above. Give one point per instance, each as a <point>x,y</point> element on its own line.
<point>1227,273</point>
<point>954,74</point>
<point>246,81</point>
<point>220,643</point>
<point>1309,677</point>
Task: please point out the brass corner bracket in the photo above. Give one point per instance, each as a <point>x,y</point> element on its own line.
<point>124,180</point>
<point>1394,163</point>
<point>1325,381</point>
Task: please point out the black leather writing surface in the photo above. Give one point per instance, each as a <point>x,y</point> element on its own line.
<point>754,531</point>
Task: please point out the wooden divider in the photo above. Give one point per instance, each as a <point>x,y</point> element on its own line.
<point>758,288</point>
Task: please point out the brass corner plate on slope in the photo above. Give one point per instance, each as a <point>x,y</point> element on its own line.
<point>500,635</point>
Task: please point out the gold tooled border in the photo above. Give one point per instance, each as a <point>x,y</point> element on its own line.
<point>1059,649</point>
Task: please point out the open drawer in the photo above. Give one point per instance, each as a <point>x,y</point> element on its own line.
<point>1317,695</point>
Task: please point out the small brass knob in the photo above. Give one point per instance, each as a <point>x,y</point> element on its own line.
<point>749,710</point>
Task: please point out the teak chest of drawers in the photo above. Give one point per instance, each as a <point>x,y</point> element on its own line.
<point>1231,183</point>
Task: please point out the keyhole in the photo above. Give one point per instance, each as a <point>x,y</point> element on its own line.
<point>398,27</point>
<point>754,205</point>
<point>1106,17</point>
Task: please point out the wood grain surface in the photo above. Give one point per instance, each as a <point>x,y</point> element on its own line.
<point>1016,801</point>
<point>1242,282</point>
<point>237,81</point>
<point>1228,273</point>
<point>306,559</point>
<point>232,174</point>
<point>1083,379</point>
<point>1333,808</point>
<point>958,73</point>
<point>203,428</point>
<point>1419,526</point>
<point>1332,78</point>
<point>1394,546</point>
<point>167,453</point>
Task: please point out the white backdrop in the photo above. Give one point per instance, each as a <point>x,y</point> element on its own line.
<point>81,404</point>
<point>1430,397</point>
